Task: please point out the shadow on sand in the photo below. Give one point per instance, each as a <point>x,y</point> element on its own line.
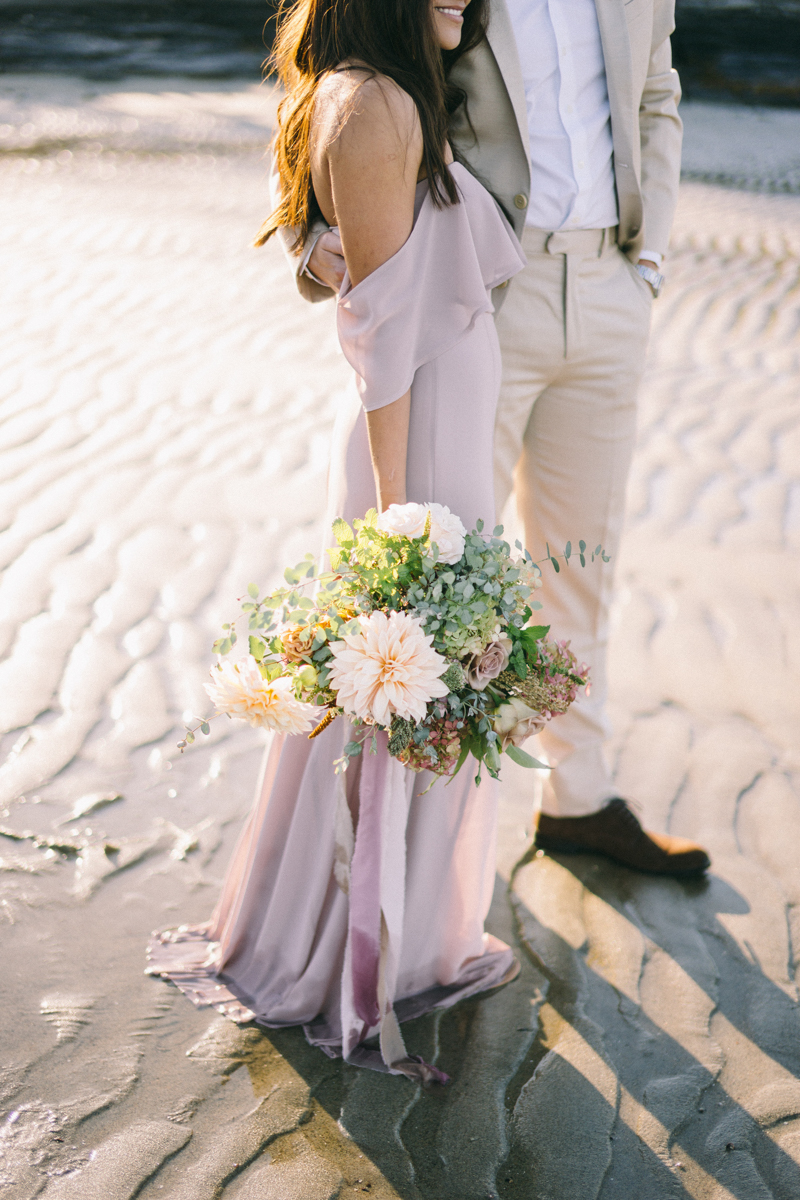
<point>520,1120</point>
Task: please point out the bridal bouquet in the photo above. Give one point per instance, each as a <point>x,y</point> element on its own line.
<point>419,629</point>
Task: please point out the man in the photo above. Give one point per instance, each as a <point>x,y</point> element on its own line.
<point>573,125</point>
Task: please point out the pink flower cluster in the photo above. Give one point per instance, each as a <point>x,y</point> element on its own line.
<point>558,678</point>
<point>445,740</point>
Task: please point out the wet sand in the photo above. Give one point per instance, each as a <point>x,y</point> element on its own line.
<point>166,402</point>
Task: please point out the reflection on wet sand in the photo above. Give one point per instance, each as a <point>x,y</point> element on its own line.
<point>165,408</point>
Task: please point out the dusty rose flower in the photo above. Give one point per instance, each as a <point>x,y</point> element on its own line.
<point>387,669</point>
<point>487,665</point>
<point>514,722</point>
<point>240,690</point>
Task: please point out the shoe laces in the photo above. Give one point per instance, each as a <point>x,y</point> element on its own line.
<point>624,809</point>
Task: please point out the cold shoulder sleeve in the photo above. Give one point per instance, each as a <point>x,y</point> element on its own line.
<point>420,302</point>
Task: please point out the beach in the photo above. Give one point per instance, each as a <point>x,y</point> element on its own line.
<point>166,404</point>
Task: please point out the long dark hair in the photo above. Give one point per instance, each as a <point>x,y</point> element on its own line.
<point>395,38</point>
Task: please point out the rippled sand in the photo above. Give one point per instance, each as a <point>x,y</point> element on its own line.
<point>165,410</point>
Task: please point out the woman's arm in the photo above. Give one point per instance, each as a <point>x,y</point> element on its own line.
<point>365,177</point>
<point>370,168</point>
<point>387,429</point>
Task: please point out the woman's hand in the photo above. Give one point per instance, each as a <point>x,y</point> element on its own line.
<point>387,429</point>
<point>326,261</point>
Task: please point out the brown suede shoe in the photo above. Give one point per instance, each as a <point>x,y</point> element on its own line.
<point>616,833</point>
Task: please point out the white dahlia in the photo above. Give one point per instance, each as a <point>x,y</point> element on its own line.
<point>409,520</point>
<point>387,669</point>
<point>239,689</point>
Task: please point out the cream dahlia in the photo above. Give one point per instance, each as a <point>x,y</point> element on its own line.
<point>239,689</point>
<point>387,669</point>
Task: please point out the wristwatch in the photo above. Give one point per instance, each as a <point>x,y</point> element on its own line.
<point>653,278</point>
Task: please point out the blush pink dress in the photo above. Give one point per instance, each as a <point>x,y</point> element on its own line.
<point>354,902</point>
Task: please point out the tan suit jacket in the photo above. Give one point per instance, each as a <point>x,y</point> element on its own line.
<point>643,91</point>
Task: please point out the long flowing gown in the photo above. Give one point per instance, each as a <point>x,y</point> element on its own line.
<point>355,902</point>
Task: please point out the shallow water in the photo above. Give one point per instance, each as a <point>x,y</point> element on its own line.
<point>748,52</point>
<point>165,409</point>
<point>113,38</point>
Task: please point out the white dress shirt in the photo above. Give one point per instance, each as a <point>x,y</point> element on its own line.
<point>569,119</point>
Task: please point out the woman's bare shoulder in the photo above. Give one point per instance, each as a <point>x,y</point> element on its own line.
<point>358,109</point>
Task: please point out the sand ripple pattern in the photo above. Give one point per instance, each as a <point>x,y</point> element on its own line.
<point>165,413</point>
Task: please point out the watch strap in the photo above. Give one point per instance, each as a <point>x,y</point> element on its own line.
<point>652,277</point>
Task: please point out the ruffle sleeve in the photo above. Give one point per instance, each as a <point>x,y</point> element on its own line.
<point>420,302</point>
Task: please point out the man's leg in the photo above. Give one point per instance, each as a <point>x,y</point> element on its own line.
<point>579,376</point>
<point>570,486</point>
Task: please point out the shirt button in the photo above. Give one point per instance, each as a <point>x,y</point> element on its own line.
<point>520,200</point>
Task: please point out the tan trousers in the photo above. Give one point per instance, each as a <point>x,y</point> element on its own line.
<point>573,334</point>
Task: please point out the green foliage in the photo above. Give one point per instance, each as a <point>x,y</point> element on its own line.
<point>454,677</point>
<point>525,652</point>
<point>462,604</point>
<point>525,760</point>
<point>306,677</point>
<point>343,533</point>
<point>400,734</point>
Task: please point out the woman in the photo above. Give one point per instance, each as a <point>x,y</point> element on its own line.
<point>350,940</point>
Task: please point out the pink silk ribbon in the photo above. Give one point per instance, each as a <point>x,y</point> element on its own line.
<point>375,924</point>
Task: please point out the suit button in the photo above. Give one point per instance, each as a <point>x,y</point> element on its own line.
<point>520,200</point>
